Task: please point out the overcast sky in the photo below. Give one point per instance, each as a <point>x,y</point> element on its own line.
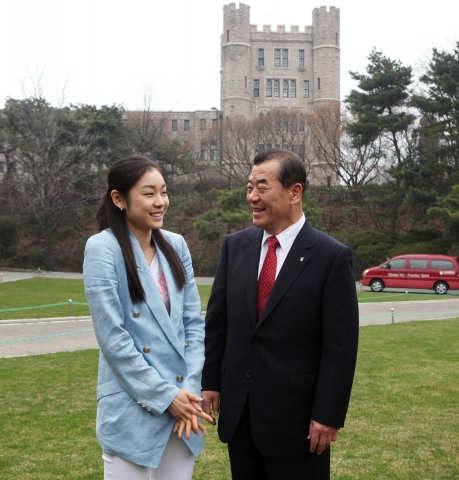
<point>107,52</point>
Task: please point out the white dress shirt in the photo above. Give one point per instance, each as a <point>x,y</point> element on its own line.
<point>286,239</point>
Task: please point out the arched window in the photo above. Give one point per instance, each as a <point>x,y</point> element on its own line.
<point>285,94</point>
<point>292,89</point>
<point>276,88</point>
<point>269,88</point>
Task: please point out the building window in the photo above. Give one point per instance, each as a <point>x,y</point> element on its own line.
<point>285,58</point>
<point>186,125</point>
<point>256,88</point>
<point>174,125</point>
<point>276,88</point>
<point>301,59</point>
<point>269,88</point>
<point>261,147</point>
<point>277,57</point>
<point>318,83</point>
<point>277,146</point>
<point>268,146</point>
<point>301,123</point>
<point>301,151</point>
<point>214,152</point>
<point>2,167</point>
<point>306,89</point>
<point>261,57</point>
<point>285,124</point>
<point>204,153</point>
<point>203,123</point>
<point>285,89</point>
<point>292,89</point>
<point>214,122</point>
<point>294,148</point>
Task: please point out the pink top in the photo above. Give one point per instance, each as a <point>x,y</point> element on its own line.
<point>160,279</point>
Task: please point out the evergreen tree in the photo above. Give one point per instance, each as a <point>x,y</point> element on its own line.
<point>439,103</point>
<point>382,111</point>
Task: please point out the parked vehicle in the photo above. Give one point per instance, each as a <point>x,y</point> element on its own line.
<point>436,272</point>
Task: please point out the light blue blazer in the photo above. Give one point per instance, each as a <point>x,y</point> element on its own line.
<point>146,356</point>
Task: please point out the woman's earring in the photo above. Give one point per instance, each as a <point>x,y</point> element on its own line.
<point>121,208</point>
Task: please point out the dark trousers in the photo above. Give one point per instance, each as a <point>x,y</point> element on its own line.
<point>248,464</point>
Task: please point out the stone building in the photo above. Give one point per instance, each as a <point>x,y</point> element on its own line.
<point>261,70</point>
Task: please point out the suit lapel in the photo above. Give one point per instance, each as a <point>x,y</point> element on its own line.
<point>153,298</point>
<point>296,260</point>
<point>250,260</point>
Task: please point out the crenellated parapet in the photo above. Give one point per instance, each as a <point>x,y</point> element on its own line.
<point>325,25</point>
<point>280,33</point>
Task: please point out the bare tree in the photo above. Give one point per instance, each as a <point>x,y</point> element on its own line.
<point>333,147</point>
<point>235,143</point>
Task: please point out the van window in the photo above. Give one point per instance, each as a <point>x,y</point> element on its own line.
<point>442,265</point>
<point>419,264</point>
<point>397,263</point>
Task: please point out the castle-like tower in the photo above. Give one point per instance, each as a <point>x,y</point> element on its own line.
<point>261,70</point>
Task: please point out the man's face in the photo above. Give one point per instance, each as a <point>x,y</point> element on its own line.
<point>269,201</point>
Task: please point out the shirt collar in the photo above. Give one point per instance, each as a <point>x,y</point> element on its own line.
<point>287,236</point>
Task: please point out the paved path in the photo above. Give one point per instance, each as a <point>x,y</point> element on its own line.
<point>38,336</point>
<point>380,313</point>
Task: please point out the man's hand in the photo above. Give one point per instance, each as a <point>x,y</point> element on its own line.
<point>321,436</point>
<point>211,398</point>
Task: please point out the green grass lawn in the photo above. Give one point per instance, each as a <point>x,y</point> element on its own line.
<point>403,421</point>
<point>48,291</point>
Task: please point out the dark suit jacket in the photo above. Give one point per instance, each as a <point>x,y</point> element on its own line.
<point>297,362</point>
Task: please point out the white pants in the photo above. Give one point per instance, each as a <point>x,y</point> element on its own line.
<point>177,463</point>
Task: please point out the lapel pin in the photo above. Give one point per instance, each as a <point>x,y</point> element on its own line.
<point>301,259</point>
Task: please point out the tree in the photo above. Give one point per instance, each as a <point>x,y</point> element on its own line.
<point>382,111</point>
<point>234,214</point>
<point>8,233</point>
<point>333,145</point>
<point>448,211</point>
<point>234,142</point>
<point>58,151</point>
<point>438,101</point>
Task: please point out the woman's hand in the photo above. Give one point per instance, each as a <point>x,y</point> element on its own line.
<point>186,409</point>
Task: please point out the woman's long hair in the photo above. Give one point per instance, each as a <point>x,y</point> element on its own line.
<point>122,176</point>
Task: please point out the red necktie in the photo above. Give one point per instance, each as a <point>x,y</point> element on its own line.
<point>267,275</point>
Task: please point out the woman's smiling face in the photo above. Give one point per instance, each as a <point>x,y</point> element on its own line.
<point>146,203</point>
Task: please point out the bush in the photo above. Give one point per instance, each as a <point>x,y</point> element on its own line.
<point>372,246</point>
<point>435,246</point>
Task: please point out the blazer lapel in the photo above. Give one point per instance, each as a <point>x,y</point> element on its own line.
<point>250,259</point>
<point>296,260</point>
<point>153,298</point>
<point>174,292</point>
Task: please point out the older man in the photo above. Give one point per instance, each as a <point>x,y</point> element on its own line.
<point>281,333</point>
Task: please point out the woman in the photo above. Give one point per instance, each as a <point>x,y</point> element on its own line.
<point>147,319</point>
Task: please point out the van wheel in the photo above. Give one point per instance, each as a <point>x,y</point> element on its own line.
<point>441,288</point>
<point>377,285</point>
